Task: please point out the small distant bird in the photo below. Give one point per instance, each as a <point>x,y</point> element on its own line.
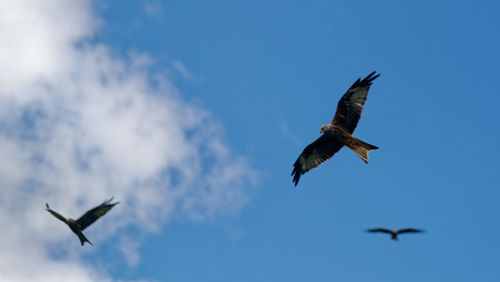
<point>77,226</point>
<point>339,132</point>
<point>394,233</point>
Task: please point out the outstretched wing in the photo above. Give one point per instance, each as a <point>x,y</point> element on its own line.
<point>351,104</point>
<point>409,230</point>
<point>315,154</point>
<point>54,213</point>
<point>376,230</point>
<point>92,215</point>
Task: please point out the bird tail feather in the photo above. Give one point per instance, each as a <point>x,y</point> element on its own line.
<point>84,239</point>
<point>360,148</point>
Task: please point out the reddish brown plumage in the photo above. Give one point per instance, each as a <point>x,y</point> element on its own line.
<point>339,132</point>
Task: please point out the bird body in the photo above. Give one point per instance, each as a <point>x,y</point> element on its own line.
<point>394,235</point>
<point>338,133</point>
<point>77,229</point>
<point>77,226</point>
<point>341,135</point>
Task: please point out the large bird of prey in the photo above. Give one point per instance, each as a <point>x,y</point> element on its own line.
<point>339,132</point>
<point>77,226</point>
<point>394,233</point>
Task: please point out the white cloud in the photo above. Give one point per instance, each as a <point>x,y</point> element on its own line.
<point>153,8</point>
<point>78,125</point>
<point>128,247</point>
<point>182,69</point>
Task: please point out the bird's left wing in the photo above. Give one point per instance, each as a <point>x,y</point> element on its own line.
<point>351,105</point>
<point>410,230</point>
<point>315,154</point>
<point>92,215</point>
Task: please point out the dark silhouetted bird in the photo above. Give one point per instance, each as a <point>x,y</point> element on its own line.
<point>394,233</point>
<point>77,226</point>
<point>339,132</point>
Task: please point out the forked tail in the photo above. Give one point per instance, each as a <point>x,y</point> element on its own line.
<point>360,148</point>
<point>83,239</point>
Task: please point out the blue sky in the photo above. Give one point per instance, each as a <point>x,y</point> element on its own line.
<point>270,74</point>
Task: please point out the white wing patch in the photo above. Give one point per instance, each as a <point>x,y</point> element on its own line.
<point>314,160</point>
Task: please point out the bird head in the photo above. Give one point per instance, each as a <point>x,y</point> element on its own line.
<point>325,127</point>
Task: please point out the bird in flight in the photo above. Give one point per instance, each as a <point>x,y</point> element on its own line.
<point>339,132</point>
<point>394,233</point>
<point>77,226</point>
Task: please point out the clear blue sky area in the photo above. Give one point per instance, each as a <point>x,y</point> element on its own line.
<point>272,73</point>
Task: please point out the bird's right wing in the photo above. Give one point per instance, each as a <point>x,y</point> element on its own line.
<point>315,154</point>
<point>92,215</point>
<point>379,230</point>
<point>54,213</point>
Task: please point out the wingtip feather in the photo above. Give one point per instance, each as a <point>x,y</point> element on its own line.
<point>108,202</point>
<point>367,81</point>
<point>296,172</point>
<point>370,78</point>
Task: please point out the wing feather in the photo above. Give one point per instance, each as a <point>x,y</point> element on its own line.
<point>56,214</point>
<point>351,105</point>
<point>409,230</point>
<point>376,230</point>
<point>315,154</point>
<point>92,215</point>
